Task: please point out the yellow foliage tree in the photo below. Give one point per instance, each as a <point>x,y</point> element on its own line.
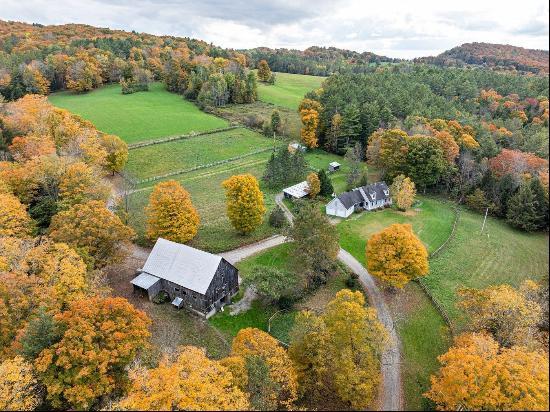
<point>245,202</point>
<point>117,152</point>
<point>14,219</point>
<point>102,336</point>
<point>403,192</point>
<point>314,184</point>
<point>251,342</point>
<point>28,147</point>
<point>310,122</point>
<point>92,229</point>
<point>81,183</point>
<point>502,311</point>
<point>191,383</point>
<point>264,72</point>
<point>477,375</point>
<point>19,389</point>
<point>171,214</point>
<point>396,255</point>
<point>449,146</point>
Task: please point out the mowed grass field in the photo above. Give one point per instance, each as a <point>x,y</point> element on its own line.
<point>501,255</point>
<point>187,153</point>
<point>205,187</point>
<point>138,116</point>
<point>289,89</point>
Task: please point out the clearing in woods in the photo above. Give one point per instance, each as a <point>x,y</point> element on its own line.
<point>138,116</point>
<point>289,89</point>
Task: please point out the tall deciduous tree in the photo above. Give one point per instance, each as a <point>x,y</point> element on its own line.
<point>102,336</point>
<point>264,72</point>
<point>191,382</point>
<point>117,152</point>
<point>19,388</point>
<point>314,184</point>
<point>425,160</point>
<point>403,192</point>
<point>476,374</point>
<point>253,342</point>
<point>245,202</point>
<point>14,219</point>
<point>396,255</point>
<point>93,230</point>
<point>171,214</point>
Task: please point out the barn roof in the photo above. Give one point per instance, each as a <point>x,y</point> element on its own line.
<point>185,266</point>
<point>144,280</point>
<point>298,190</point>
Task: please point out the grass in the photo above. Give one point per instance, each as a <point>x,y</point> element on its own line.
<point>422,330</point>
<point>260,312</point>
<point>431,219</point>
<point>500,255</point>
<point>215,233</point>
<point>187,153</point>
<point>289,89</point>
<point>138,116</point>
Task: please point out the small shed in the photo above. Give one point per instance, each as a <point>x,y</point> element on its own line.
<point>192,278</point>
<point>293,147</point>
<point>333,166</point>
<point>298,191</point>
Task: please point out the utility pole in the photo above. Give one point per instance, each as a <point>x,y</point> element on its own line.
<point>484,220</point>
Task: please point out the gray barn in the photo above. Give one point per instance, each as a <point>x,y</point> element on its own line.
<point>192,278</point>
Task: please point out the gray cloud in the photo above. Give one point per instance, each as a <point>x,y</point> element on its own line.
<point>397,28</point>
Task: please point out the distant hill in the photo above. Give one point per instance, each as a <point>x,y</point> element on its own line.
<point>497,56</point>
<point>318,61</point>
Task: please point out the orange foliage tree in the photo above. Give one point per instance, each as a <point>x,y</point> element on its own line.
<point>477,375</point>
<point>314,184</point>
<point>14,219</point>
<point>19,388</point>
<point>517,163</point>
<point>191,383</point>
<point>102,336</point>
<point>93,230</point>
<point>171,214</point>
<point>396,255</point>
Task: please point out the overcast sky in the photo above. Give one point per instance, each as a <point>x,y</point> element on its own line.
<point>395,28</point>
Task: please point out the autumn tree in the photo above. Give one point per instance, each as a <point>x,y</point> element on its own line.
<point>476,374</point>
<point>339,351</point>
<point>502,311</point>
<point>83,73</point>
<point>191,382</point>
<point>387,150</point>
<point>309,114</point>
<point>14,219</point>
<point>264,72</point>
<point>403,192</point>
<point>245,202</point>
<point>81,183</point>
<point>28,147</point>
<point>396,255</point>
<point>251,342</point>
<point>102,336</point>
<point>93,231</point>
<point>449,146</point>
<point>117,152</point>
<point>314,184</point>
<point>315,243</point>
<point>334,137</point>
<point>19,388</point>
<point>171,214</point>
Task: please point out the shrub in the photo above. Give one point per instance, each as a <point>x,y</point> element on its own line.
<point>162,297</point>
<point>277,218</point>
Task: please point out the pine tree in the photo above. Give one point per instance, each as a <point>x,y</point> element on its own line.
<point>275,121</point>
<point>326,185</point>
<point>541,203</point>
<point>351,127</point>
<point>522,209</point>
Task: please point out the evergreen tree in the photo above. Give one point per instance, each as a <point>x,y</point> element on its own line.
<point>506,189</point>
<point>284,168</point>
<point>522,209</point>
<point>41,333</point>
<point>541,203</point>
<point>326,184</point>
<point>350,130</point>
<point>275,121</point>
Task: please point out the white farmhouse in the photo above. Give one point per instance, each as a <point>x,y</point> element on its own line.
<point>369,197</point>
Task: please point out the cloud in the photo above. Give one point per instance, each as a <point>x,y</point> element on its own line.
<point>397,28</point>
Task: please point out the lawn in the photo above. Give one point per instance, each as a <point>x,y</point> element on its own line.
<point>500,255</point>
<point>259,314</point>
<point>187,153</point>
<point>138,116</point>
<point>431,219</point>
<point>422,330</point>
<point>215,233</point>
<point>289,89</point>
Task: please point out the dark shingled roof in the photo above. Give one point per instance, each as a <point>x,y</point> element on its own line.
<point>354,197</point>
